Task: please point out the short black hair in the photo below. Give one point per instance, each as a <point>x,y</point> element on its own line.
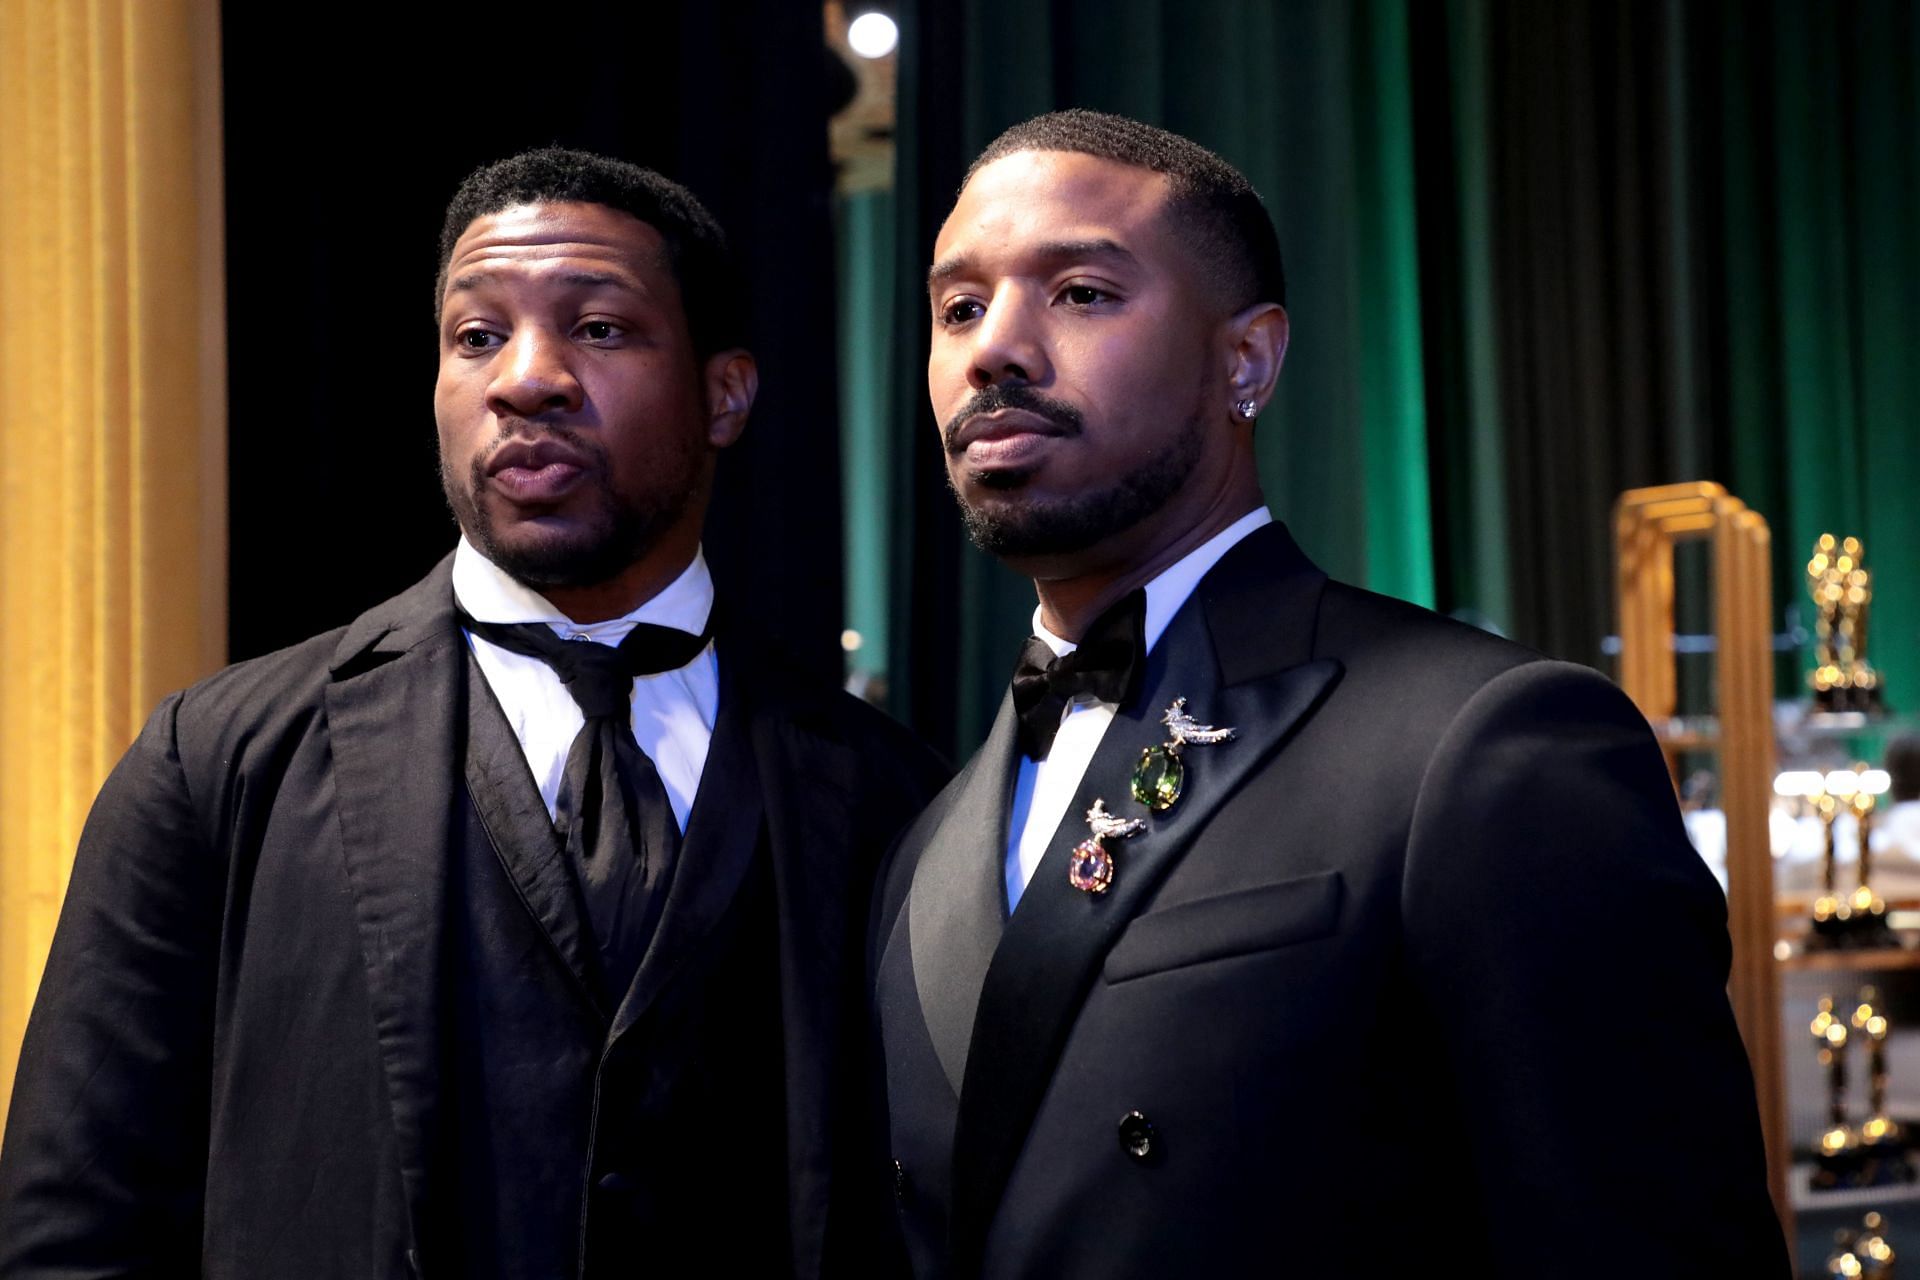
<point>1231,231</point>
<point>710,285</point>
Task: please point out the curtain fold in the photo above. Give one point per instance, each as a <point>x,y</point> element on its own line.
<point>1537,254</point>
<point>112,419</point>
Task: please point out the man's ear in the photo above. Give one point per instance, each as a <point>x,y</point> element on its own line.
<point>1256,346</point>
<point>733,379</point>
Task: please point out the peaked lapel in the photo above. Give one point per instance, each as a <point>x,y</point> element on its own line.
<point>1240,651</point>
<point>393,708</point>
<point>957,906</point>
<point>523,838</point>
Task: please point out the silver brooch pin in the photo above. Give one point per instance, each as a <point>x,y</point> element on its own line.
<point>1091,869</point>
<point>1160,776</point>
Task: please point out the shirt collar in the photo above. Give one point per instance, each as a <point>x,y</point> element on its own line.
<point>1170,589</point>
<point>488,594</point>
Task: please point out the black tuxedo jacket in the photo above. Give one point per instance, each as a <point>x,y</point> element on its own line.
<point>320,1006</point>
<point>1421,969</point>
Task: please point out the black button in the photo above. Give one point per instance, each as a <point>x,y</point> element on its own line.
<point>899,1182</point>
<point>1137,1137</point>
<point>615,1182</point>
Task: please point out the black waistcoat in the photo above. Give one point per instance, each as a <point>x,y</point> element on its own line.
<point>581,1139</point>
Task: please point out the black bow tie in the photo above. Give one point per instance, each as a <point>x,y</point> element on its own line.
<point>1108,666</point>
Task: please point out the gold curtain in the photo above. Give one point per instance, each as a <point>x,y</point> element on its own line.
<point>112,419</point>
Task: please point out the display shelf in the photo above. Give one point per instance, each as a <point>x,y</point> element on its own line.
<point>1648,523</point>
<point>1853,1199</point>
<point>1702,732</point>
<point>1794,957</point>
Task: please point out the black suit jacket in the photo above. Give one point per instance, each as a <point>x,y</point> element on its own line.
<point>305,1016</point>
<point>1422,969</point>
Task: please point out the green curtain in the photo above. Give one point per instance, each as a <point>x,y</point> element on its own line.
<point>1312,102</point>
<point>1537,254</point>
<point>1821,297</point>
<point>863,235</point>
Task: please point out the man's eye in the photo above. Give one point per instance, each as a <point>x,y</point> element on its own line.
<point>1084,295</point>
<point>960,312</point>
<point>599,330</point>
<point>475,339</point>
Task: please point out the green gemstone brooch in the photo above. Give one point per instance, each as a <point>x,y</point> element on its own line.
<point>1160,776</point>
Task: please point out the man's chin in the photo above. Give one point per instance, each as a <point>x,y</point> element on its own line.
<point>550,553</point>
<point>1026,526</point>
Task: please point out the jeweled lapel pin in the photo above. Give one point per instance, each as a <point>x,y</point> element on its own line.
<point>1091,869</point>
<point>1160,776</point>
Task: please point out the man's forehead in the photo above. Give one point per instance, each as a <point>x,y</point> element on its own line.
<point>1025,176</point>
<point>541,232</point>
<point>1054,197</point>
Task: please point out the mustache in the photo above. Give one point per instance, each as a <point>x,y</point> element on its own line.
<point>532,430</point>
<point>991,399</point>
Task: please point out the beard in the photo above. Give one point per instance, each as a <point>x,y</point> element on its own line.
<point>1072,523</point>
<point>609,530</point>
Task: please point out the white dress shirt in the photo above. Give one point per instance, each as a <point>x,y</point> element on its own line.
<point>1042,790</point>
<point>673,711</point>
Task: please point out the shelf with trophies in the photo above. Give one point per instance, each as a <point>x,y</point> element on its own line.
<point>1807,809</point>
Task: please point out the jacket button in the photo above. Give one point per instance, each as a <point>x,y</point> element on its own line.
<point>615,1182</point>
<point>1137,1136</point>
<point>899,1182</point>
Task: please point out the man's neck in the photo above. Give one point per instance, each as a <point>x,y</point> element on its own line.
<point>638,583</point>
<point>497,595</point>
<point>1069,604</point>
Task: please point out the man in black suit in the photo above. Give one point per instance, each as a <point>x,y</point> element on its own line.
<point>513,929</point>
<point>1278,928</point>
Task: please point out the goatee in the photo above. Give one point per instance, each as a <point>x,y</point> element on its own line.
<point>1063,526</point>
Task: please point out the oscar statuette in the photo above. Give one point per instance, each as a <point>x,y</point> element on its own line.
<point>1842,589</point>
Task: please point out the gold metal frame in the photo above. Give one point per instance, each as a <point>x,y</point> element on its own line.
<point>1647,525</point>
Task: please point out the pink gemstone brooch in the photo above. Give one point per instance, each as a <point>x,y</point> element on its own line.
<point>1091,868</point>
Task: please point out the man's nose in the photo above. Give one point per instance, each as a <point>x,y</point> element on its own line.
<point>1007,345</point>
<point>534,375</point>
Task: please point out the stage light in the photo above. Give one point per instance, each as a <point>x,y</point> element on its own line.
<point>873,35</point>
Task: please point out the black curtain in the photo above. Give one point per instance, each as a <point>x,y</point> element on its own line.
<point>345,135</point>
<point>1595,267</point>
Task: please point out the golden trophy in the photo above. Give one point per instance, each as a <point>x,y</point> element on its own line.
<point>1872,1250</point>
<point>1837,579</point>
<point>1830,911</point>
<point>1881,1131</point>
<point>1838,1158</point>
<point>1843,1261</point>
<point>1869,920</point>
<point>1858,918</point>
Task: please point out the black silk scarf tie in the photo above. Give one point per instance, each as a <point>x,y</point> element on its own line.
<point>612,813</point>
<point>1107,665</point>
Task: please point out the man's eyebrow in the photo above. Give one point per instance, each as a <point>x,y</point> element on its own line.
<point>1051,251</point>
<point>578,279</point>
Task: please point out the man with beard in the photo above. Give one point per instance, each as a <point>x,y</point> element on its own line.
<point>1278,926</point>
<point>513,929</point>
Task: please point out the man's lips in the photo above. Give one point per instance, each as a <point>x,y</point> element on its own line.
<point>536,471</point>
<point>1005,437</point>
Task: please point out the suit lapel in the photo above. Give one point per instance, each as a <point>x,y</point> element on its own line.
<point>522,835</point>
<point>957,905</point>
<point>723,830</point>
<point>1239,652</point>
<point>392,714</point>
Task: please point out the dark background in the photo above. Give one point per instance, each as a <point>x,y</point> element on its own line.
<point>1539,253</point>
<point>343,147</point>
